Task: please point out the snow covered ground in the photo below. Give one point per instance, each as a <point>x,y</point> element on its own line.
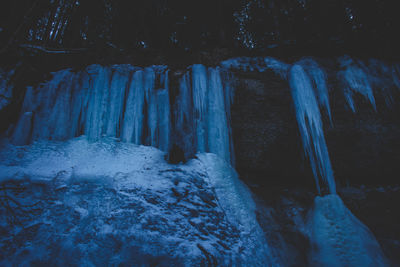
<point>108,203</point>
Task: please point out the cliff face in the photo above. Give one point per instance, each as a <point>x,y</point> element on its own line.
<point>268,147</point>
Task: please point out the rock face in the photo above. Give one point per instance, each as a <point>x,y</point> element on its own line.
<point>267,143</point>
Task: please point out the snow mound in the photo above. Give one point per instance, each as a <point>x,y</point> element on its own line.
<point>338,238</point>
<point>81,203</point>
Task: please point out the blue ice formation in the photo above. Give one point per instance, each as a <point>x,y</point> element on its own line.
<point>203,112</point>
<point>339,238</point>
<point>310,92</point>
<point>355,79</point>
<point>396,75</point>
<point>318,79</point>
<point>308,83</point>
<point>133,104</point>
<point>310,124</point>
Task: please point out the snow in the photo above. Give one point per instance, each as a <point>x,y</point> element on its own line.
<point>110,202</point>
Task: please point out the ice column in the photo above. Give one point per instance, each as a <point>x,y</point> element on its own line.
<point>310,126</point>
<point>132,104</point>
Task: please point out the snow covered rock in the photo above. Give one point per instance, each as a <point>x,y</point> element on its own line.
<point>81,203</point>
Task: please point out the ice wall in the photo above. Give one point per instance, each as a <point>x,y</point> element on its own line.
<point>202,112</point>
<point>133,104</point>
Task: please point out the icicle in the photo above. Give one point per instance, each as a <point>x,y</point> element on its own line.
<point>119,82</point>
<point>79,103</point>
<point>164,113</point>
<point>133,104</point>
<point>318,79</point>
<point>218,134</point>
<point>184,131</point>
<point>97,101</point>
<point>159,117</point>
<point>133,119</point>
<point>199,89</point>
<point>22,131</point>
<point>396,74</point>
<point>59,123</point>
<point>51,107</point>
<point>229,92</point>
<point>354,79</point>
<point>380,77</point>
<point>158,109</point>
<point>310,125</point>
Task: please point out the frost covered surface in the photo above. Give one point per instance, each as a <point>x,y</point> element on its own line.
<point>79,203</point>
<point>338,238</point>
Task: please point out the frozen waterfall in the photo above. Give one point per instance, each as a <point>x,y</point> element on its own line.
<point>133,104</point>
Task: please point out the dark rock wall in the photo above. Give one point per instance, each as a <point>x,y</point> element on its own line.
<point>267,143</point>
<point>364,147</point>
